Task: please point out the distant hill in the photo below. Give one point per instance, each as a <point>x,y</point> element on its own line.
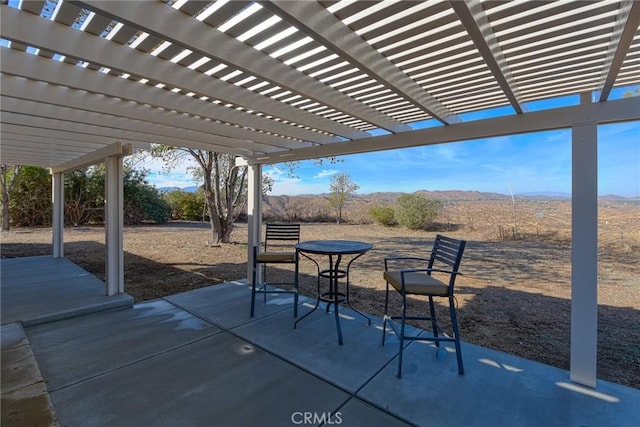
<point>190,189</point>
<point>442,195</point>
<point>316,205</point>
<point>462,195</point>
<point>616,198</point>
<point>545,195</point>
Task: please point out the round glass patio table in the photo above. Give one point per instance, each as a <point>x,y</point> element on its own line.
<point>334,250</point>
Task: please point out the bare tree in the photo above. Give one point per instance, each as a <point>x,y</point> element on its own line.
<point>341,188</point>
<point>223,183</point>
<point>8,175</point>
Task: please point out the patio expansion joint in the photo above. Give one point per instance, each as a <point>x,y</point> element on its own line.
<point>371,378</point>
<point>352,395</point>
<point>270,352</point>
<point>135,362</point>
<point>219,325</point>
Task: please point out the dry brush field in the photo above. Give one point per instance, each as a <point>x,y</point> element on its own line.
<point>514,295</point>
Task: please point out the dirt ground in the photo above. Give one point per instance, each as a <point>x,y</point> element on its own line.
<point>514,295</point>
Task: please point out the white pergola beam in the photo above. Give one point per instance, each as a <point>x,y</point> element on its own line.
<point>316,22</point>
<point>166,23</point>
<point>472,16</point>
<point>32,150</point>
<point>90,84</point>
<point>42,33</point>
<point>176,133</point>
<point>620,110</point>
<point>628,21</point>
<point>81,130</point>
<point>87,141</point>
<point>111,110</point>
<point>116,149</point>
<point>34,143</point>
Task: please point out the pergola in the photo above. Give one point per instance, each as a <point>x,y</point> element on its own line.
<point>87,81</point>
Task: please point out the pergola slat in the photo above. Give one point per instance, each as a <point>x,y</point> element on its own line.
<point>164,22</point>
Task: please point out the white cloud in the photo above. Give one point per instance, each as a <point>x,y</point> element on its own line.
<point>448,152</point>
<point>283,184</point>
<point>325,173</point>
<point>294,187</point>
<point>174,179</point>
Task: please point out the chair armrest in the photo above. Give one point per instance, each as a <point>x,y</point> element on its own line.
<point>396,258</point>
<point>402,258</point>
<point>428,270</point>
<point>261,246</point>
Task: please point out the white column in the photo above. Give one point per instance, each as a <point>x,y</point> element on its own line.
<point>57,196</point>
<point>584,254</point>
<point>254,215</point>
<point>114,225</point>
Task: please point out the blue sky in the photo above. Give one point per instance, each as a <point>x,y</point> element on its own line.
<point>539,162</point>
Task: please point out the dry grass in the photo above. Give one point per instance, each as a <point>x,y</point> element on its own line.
<point>514,295</point>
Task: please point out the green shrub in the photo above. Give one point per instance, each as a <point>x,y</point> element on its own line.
<point>416,211</point>
<point>84,196</point>
<point>142,201</point>
<point>186,206</point>
<point>384,215</point>
<point>173,198</point>
<point>30,200</point>
<point>192,206</point>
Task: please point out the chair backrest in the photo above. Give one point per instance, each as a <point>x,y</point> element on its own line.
<point>449,252</point>
<point>280,233</point>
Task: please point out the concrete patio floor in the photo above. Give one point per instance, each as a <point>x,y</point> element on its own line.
<point>197,358</point>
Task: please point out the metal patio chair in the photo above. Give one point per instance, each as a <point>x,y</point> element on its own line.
<point>277,248</point>
<point>444,261</point>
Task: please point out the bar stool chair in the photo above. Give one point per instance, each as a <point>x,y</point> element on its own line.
<point>444,261</point>
<point>277,248</point>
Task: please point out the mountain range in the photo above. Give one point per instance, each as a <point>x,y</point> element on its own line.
<point>460,195</point>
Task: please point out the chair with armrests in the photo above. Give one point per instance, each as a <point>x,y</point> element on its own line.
<point>277,248</point>
<point>421,276</point>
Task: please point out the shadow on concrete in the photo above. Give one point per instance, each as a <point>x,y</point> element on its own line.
<point>526,324</point>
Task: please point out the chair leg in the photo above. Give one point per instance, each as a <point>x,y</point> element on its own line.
<point>254,277</point>
<point>384,317</point>
<point>454,325</point>
<point>401,337</point>
<point>296,286</point>
<point>264,283</point>
<point>434,324</point>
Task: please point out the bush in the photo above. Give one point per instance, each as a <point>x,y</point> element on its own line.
<point>193,207</point>
<point>142,201</point>
<point>30,200</point>
<point>417,212</point>
<point>384,215</point>
<point>84,196</point>
<point>186,206</point>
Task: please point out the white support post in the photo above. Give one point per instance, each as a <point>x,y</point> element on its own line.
<point>584,254</point>
<point>114,225</point>
<point>57,196</point>
<point>254,216</point>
